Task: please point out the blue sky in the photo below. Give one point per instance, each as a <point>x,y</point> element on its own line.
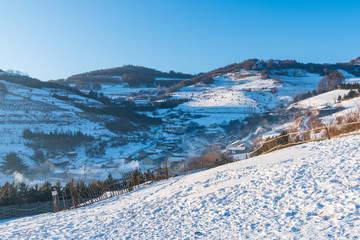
<point>55,39</point>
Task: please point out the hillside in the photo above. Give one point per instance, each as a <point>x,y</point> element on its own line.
<point>308,191</point>
<point>66,130</point>
<point>130,126</point>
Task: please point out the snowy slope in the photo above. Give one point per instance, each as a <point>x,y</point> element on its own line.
<point>328,98</point>
<point>237,95</point>
<point>24,107</point>
<point>304,192</point>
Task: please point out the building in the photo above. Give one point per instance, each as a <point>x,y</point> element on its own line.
<point>174,129</point>
<point>71,154</point>
<point>236,147</point>
<point>327,110</point>
<point>154,159</point>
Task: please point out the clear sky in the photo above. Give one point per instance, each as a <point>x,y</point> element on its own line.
<point>54,39</point>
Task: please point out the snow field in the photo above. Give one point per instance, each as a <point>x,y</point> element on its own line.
<point>239,97</point>
<point>328,98</point>
<point>304,192</point>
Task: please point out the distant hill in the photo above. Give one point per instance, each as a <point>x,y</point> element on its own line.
<point>278,65</point>
<point>29,81</point>
<point>266,67</point>
<point>135,75</point>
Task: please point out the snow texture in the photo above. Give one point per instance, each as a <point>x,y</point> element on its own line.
<point>304,192</point>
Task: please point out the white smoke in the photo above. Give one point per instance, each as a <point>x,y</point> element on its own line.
<point>18,178</point>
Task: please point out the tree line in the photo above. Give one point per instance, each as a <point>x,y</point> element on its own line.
<point>57,140</point>
<point>77,190</point>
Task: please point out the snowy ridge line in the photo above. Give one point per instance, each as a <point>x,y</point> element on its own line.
<point>290,140</point>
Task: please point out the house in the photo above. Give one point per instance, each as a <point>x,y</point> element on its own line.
<point>71,154</point>
<point>174,129</point>
<point>167,82</point>
<point>213,129</point>
<point>236,147</point>
<point>327,110</point>
<point>151,160</point>
<point>216,147</point>
<point>176,157</point>
<point>88,86</point>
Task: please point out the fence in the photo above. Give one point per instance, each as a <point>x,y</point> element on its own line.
<point>14,211</point>
<point>81,195</point>
<point>311,135</point>
<point>78,193</point>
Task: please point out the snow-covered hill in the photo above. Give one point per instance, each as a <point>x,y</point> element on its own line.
<point>304,192</point>
<point>196,116</point>
<point>238,95</point>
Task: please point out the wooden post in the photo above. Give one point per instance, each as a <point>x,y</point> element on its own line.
<point>202,163</point>
<point>63,199</point>
<point>290,142</point>
<point>129,189</point>
<point>65,203</point>
<point>166,171</point>
<point>327,132</point>
<point>58,201</point>
<point>54,196</point>
<point>72,193</point>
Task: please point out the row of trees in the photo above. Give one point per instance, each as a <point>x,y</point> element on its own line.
<point>57,140</point>
<point>78,191</point>
<point>21,193</point>
<point>308,94</point>
<point>122,113</point>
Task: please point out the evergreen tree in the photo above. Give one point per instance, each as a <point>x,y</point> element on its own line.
<point>13,163</point>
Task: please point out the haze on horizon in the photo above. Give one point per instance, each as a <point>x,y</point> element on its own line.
<point>52,40</point>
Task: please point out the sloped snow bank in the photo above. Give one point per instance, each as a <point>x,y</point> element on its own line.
<point>308,191</point>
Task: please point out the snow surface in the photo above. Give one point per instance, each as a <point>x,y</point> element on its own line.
<point>328,98</point>
<point>304,192</point>
<point>237,95</point>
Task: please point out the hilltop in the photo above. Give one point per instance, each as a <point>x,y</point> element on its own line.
<point>134,75</point>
